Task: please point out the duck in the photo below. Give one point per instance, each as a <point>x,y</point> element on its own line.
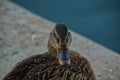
<point>58,63</point>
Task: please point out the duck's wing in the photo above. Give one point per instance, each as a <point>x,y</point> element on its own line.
<point>81,66</point>
<point>23,67</point>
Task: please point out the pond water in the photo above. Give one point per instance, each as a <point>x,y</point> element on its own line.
<point>98,20</point>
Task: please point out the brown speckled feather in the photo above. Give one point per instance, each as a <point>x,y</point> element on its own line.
<point>23,67</point>
<point>82,66</point>
<point>44,67</point>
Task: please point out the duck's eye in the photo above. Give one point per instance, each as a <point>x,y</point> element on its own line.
<point>57,39</point>
<point>68,38</point>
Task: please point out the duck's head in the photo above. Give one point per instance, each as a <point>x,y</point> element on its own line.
<point>60,39</point>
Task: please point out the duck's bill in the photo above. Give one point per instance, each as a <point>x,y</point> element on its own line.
<point>64,57</point>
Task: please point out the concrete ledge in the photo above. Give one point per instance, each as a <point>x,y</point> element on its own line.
<point>23,34</point>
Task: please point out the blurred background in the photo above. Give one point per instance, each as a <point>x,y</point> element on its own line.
<point>98,20</point>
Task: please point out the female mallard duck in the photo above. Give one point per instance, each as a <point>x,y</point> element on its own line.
<point>59,63</point>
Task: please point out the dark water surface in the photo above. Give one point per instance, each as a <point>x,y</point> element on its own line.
<point>98,20</point>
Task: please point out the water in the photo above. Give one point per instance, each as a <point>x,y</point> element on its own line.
<point>98,20</point>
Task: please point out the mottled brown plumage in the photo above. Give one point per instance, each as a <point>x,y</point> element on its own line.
<point>49,66</point>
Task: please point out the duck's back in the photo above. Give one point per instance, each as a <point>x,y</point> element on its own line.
<point>79,69</point>
<point>44,67</point>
